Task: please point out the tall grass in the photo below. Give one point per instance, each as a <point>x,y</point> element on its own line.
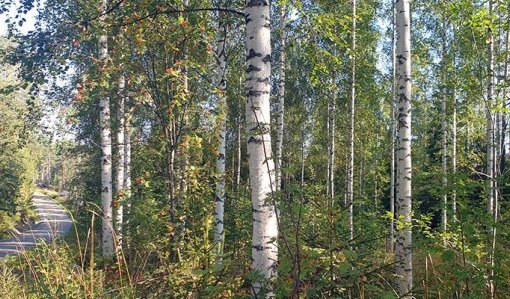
<point>65,269</point>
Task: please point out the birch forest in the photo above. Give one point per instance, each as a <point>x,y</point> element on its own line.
<point>254,149</point>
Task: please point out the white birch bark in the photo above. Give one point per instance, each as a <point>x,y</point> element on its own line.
<point>444,210</point>
<point>261,164</point>
<point>281,99</point>
<point>238,151</point>
<point>393,128</point>
<point>403,245</point>
<point>106,152</point>
<point>328,120</point>
<point>454,129</point>
<point>121,164</point>
<point>454,152</point>
<point>350,170</point>
<point>491,150</point>
<point>331,176</point>
<point>490,122</point>
<point>127,171</point>
<point>221,65</point>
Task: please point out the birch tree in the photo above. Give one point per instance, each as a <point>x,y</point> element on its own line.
<point>106,149</point>
<point>221,64</point>
<point>121,163</point>
<point>281,97</point>
<point>454,141</point>
<point>261,165</point>
<point>393,128</point>
<point>350,171</point>
<point>127,168</point>
<point>444,209</point>
<point>403,246</point>
<point>489,116</point>
<point>492,205</point>
<point>331,149</point>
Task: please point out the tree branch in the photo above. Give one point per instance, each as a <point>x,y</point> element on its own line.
<point>174,11</point>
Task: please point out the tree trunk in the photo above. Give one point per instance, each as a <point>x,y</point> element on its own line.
<point>392,136</point>
<point>490,122</point>
<point>220,160</point>
<point>331,176</point>
<point>127,171</point>
<point>454,150</point>
<point>350,170</point>
<point>258,122</point>
<point>106,152</point>
<point>281,99</point>
<point>170,171</point>
<point>121,164</point>
<point>328,120</point>
<point>491,161</point>
<point>444,220</point>
<point>504,125</point>
<point>403,245</point>
<point>183,148</point>
<point>238,151</point>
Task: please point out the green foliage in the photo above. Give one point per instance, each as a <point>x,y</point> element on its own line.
<point>167,56</point>
<point>19,150</point>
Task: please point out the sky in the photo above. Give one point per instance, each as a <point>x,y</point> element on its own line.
<point>29,24</point>
<point>50,118</point>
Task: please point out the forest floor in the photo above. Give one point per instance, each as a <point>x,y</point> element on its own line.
<point>53,222</point>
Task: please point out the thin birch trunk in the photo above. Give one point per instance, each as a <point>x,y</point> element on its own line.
<point>127,171</point>
<point>332,125</point>
<point>328,120</point>
<point>444,220</point>
<point>258,129</point>
<point>491,151</point>
<point>106,151</point>
<point>220,160</point>
<point>170,171</point>
<point>454,150</point>
<point>350,170</point>
<point>403,245</point>
<point>183,149</point>
<point>393,128</point>
<point>502,166</point>
<point>238,150</point>
<point>121,164</point>
<point>490,122</point>
<point>281,99</point>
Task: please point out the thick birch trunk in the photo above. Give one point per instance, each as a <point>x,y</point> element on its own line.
<point>121,164</point>
<point>106,153</point>
<point>350,170</point>
<point>281,100</point>
<point>220,160</point>
<point>261,164</point>
<point>403,245</point>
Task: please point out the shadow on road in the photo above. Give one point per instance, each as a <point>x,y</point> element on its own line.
<point>54,222</point>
